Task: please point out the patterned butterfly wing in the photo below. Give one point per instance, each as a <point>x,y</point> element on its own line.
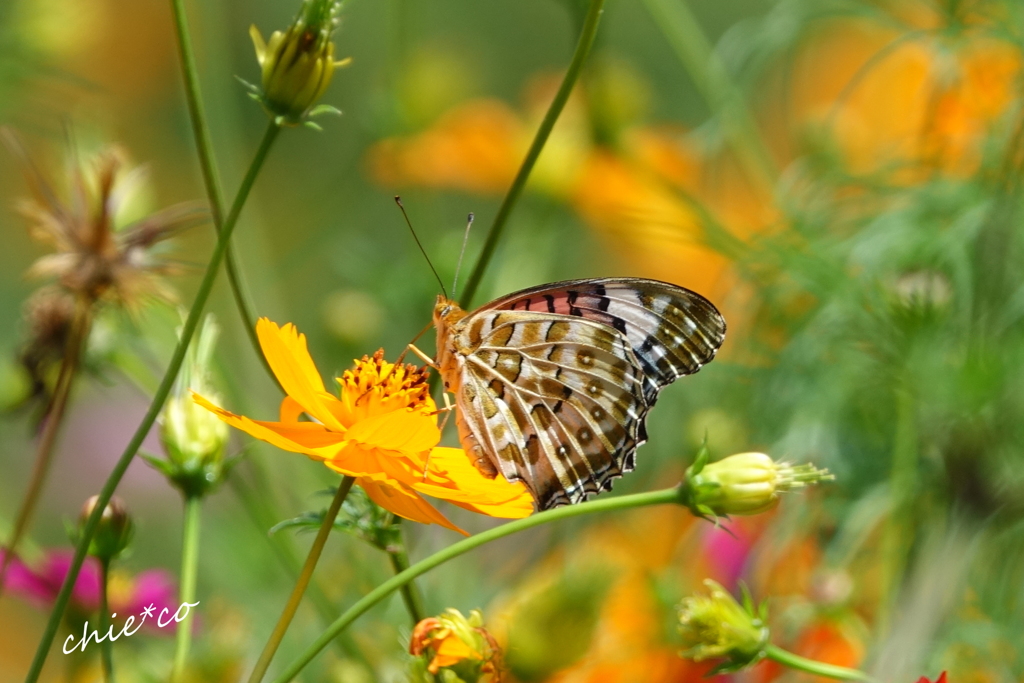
<point>672,330</point>
<point>553,383</point>
<point>550,400</point>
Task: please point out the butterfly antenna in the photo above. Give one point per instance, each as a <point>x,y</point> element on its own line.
<point>398,200</point>
<point>462,252</point>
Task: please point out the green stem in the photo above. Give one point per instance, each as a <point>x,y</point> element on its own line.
<point>211,177</point>
<point>583,46</point>
<point>53,419</point>
<point>188,330</point>
<point>411,595</point>
<point>187,593</point>
<point>423,566</point>
<point>712,79</point>
<point>106,647</point>
<point>777,654</point>
<point>300,586</point>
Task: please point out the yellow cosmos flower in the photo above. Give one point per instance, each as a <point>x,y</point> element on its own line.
<point>381,428</point>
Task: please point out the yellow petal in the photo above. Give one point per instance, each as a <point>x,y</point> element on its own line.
<point>309,438</point>
<point>405,431</point>
<point>450,652</point>
<point>357,460</point>
<point>286,353</point>
<point>405,502</point>
<point>290,410</point>
<point>450,476</point>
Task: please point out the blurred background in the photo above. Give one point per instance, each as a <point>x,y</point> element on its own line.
<point>840,177</point>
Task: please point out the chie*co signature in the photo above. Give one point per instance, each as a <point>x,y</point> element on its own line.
<point>179,615</point>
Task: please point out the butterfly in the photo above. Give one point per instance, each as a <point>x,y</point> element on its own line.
<point>552,384</point>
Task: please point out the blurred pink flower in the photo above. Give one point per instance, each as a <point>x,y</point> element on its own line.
<point>128,595</point>
<point>726,548</point>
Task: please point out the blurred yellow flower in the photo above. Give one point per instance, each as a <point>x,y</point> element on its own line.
<point>381,429</point>
<point>463,646</point>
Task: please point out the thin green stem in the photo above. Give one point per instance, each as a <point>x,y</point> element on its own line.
<point>107,646</point>
<point>259,505</point>
<point>211,177</point>
<point>423,566</point>
<point>188,330</point>
<point>53,419</point>
<point>586,41</point>
<point>777,654</point>
<point>712,79</point>
<point>300,586</point>
<point>187,592</point>
<point>411,595</point>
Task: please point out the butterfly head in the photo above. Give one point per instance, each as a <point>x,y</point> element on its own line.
<point>447,311</point>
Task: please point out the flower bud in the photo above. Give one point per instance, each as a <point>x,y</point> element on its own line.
<point>193,437</point>
<point>744,484</point>
<point>715,625</point>
<point>114,532</point>
<point>454,649</point>
<point>297,64</point>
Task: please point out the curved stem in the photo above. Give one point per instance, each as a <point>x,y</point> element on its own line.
<point>300,586</point>
<point>106,647</point>
<point>187,593</point>
<point>411,595</point>
<point>723,97</point>
<point>583,46</point>
<point>188,330</point>
<point>423,566</point>
<point>77,338</point>
<point>777,654</point>
<point>211,177</point>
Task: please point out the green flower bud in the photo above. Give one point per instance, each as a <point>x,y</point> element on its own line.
<point>716,626</point>
<point>297,64</point>
<point>193,438</point>
<point>114,532</point>
<point>744,484</point>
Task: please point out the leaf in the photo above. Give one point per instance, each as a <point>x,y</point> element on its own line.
<point>321,109</point>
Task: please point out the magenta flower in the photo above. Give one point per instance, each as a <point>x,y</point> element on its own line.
<point>128,595</point>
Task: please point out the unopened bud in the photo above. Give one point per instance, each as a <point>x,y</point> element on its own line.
<point>194,438</point>
<point>297,64</point>
<point>744,484</point>
<point>114,532</point>
<point>717,626</point>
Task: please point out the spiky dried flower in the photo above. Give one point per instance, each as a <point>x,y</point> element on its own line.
<point>92,256</point>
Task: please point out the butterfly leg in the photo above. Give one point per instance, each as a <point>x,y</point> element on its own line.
<point>447,410</point>
<point>422,356</point>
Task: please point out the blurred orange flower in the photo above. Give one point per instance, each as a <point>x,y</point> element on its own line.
<point>380,429</point>
<point>923,97</point>
<point>639,192</point>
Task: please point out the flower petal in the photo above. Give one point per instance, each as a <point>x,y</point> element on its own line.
<point>405,502</point>
<point>404,431</point>
<point>309,438</point>
<point>450,476</point>
<point>357,460</point>
<point>288,356</point>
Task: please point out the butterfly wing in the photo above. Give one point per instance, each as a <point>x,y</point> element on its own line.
<point>672,330</point>
<point>553,401</point>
